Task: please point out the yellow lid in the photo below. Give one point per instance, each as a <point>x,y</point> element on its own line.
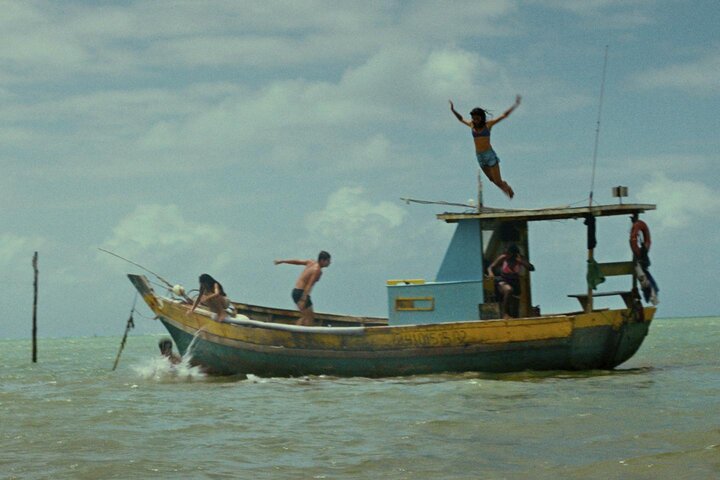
<point>413,281</point>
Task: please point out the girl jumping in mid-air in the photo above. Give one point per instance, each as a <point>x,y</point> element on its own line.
<point>486,156</point>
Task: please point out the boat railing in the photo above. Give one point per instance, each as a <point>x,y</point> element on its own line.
<point>295,328</point>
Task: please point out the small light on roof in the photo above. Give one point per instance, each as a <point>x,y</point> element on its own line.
<point>620,192</point>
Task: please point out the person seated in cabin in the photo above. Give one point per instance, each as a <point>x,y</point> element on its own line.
<point>508,283</point>
<point>165,346</point>
<point>213,296</point>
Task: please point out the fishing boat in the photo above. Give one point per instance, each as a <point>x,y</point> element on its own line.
<point>452,323</point>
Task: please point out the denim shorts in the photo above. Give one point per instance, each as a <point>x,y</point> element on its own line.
<point>488,158</point>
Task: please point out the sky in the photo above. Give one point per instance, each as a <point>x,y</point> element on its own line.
<point>217,136</point>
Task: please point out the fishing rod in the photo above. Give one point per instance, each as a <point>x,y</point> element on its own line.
<point>440,202</point>
<point>168,284</point>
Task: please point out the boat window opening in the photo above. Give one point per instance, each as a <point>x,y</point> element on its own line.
<point>415,304</point>
<point>497,236</point>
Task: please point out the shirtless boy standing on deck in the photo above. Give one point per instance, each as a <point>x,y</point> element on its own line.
<point>309,277</point>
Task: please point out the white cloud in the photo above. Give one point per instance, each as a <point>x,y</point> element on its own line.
<point>353,225</point>
<point>681,203</point>
<point>368,154</point>
<point>160,232</point>
<point>446,72</point>
<point>620,14</point>
<point>699,76</point>
<point>42,37</point>
<point>16,250</point>
<point>441,21</point>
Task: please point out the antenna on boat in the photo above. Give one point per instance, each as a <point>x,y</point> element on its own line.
<point>168,284</point>
<point>590,219</point>
<point>597,128</point>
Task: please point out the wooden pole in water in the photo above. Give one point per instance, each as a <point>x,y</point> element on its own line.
<point>34,317</point>
<point>129,326</point>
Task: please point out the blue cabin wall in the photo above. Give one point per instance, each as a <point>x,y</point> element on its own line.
<point>463,258</point>
<point>435,302</point>
<point>457,292</point>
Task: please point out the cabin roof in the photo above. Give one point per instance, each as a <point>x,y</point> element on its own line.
<point>552,213</point>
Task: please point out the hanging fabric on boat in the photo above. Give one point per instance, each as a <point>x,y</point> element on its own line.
<point>594,276</point>
<point>640,245</point>
<point>647,284</point>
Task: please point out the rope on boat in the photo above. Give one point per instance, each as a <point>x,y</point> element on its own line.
<point>130,325</point>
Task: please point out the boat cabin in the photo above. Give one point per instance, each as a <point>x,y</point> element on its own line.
<point>461,290</point>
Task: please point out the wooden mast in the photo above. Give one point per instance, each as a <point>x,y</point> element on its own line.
<point>480,190</point>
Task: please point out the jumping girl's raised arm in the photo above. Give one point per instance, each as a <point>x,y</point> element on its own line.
<point>458,116</point>
<point>506,113</point>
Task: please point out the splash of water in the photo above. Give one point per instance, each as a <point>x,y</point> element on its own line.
<point>189,351</point>
<point>161,368</point>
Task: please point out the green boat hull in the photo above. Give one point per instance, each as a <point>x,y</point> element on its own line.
<point>592,348</point>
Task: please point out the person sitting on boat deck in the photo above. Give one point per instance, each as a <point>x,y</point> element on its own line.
<point>304,284</point>
<point>509,281</point>
<point>486,156</point>
<point>165,345</point>
<point>213,296</point>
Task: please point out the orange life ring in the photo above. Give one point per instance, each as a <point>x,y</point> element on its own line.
<point>636,241</point>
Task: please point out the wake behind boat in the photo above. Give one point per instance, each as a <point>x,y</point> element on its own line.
<point>459,322</point>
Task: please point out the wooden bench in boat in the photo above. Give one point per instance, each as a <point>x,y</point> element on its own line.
<point>610,269</point>
<point>583,297</point>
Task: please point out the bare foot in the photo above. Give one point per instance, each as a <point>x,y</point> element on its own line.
<point>508,190</point>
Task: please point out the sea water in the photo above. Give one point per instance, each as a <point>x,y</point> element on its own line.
<point>69,416</point>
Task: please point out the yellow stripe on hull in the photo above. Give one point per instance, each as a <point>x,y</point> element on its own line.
<point>455,334</point>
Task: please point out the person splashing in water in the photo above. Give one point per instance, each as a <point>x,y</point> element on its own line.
<point>486,156</point>
<point>166,351</point>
